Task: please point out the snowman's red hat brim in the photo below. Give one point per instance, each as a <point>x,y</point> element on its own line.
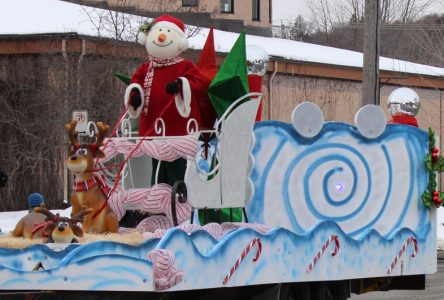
<point>168,25</point>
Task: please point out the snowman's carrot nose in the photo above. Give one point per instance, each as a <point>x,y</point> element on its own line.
<point>161,37</point>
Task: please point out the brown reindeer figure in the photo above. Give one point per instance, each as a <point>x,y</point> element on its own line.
<point>63,229</point>
<point>87,191</point>
<point>29,226</point>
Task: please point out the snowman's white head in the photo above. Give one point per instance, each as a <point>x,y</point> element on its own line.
<point>164,38</point>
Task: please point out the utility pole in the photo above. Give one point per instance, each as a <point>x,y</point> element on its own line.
<point>370,76</point>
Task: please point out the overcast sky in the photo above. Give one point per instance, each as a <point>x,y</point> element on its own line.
<point>288,10</point>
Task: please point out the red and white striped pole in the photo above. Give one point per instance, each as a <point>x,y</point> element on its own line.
<point>401,252</point>
<point>332,238</point>
<point>243,255</point>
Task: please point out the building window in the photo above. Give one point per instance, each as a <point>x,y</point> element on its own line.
<point>227,6</point>
<point>189,3</point>
<point>256,10</point>
<point>270,11</point>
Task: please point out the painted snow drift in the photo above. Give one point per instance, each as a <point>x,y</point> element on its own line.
<point>337,192</point>
<point>285,257</point>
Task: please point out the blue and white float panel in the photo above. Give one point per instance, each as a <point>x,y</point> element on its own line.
<point>357,197</point>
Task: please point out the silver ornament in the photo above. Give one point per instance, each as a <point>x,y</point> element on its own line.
<point>403,100</point>
<point>257,60</point>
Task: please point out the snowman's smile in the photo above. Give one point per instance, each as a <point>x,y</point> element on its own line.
<point>162,45</point>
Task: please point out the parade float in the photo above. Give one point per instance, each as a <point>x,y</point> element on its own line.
<point>306,201</point>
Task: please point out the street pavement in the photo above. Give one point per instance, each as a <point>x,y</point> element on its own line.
<point>434,288</point>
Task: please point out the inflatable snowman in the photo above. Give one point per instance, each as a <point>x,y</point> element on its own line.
<point>165,86</point>
<point>168,87</point>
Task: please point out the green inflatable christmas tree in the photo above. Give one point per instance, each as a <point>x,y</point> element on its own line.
<point>231,81</point>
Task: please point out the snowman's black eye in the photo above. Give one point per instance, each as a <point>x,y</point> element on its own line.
<point>169,30</point>
<point>160,29</point>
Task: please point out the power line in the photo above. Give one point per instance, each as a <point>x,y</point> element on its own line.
<point>406,26</point>
<point>425,27</point>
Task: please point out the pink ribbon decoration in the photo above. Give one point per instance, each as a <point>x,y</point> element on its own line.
<point>165,275</point>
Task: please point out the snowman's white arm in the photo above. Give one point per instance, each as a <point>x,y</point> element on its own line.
<point>134,113</point>
<point>183,100</point>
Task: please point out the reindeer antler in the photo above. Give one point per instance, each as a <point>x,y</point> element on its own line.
<point>49,215</point>
<point>78,217</point>
<point>102,131</point>
<point>73,133</point>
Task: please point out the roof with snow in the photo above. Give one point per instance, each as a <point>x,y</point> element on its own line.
<point>53,16</point>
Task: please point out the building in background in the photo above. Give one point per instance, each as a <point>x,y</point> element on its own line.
<point>253,16</point>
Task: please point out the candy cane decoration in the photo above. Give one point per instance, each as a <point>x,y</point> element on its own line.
<point>333,237</point>
<point>401,252</point>
<point>241,258</point>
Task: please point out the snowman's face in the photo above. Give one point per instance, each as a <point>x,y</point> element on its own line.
<point>163,42</point>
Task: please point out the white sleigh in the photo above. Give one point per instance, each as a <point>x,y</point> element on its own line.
<point>228,185</point>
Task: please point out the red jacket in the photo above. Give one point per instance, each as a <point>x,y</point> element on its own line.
<point>403,119</point>
<point>161,104</point>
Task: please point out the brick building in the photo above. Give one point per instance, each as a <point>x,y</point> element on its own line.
<point>253,16</point>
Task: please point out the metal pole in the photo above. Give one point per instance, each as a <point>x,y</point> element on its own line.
<point>370,76</point>
<point>65,107</point>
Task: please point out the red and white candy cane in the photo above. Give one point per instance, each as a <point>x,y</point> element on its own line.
<point>241,258</point>
<point>401,252</point>
<point>334,238</point>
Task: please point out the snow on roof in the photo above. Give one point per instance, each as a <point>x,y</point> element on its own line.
<point>50,16</point>
<point>43,16</point>
<point>311,53</point>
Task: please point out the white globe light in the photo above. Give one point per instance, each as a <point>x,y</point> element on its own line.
<point>257,60</point>
<point>307,119</point>
<point>403,100</point>
<point>370,121</point>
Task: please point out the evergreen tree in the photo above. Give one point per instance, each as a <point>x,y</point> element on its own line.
<point>300,29</point>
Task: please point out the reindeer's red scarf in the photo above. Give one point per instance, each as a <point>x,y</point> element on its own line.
<point>43,225</point>
<point>88,184</point>
<point>85,185</point>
